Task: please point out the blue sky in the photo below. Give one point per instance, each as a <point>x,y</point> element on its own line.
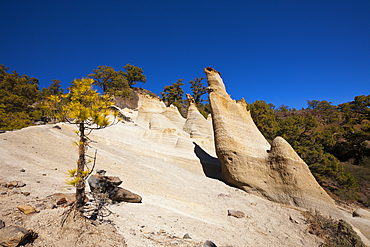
<point>282,52</point>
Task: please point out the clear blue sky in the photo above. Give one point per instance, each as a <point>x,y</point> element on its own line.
<point>283,52</point>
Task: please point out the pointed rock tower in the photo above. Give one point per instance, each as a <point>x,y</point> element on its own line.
<point>274,172</point>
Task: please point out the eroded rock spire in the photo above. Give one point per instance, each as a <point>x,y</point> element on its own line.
<point>274,172</point>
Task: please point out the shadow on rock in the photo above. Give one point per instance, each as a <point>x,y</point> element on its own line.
<point>211,165</point>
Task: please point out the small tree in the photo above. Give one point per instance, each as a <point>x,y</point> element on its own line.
<point>198,89</point>
<point>108,79</point>
<point>89,111</point>
<point>133,74</point>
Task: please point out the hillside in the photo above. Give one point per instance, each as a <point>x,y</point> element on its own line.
<point>167,166</point>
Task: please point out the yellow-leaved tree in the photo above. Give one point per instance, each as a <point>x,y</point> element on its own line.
<point>89,111</point>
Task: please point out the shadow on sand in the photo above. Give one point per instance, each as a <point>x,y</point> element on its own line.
<point>211,165</point>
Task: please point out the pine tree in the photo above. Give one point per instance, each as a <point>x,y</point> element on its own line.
<point>89,111</point>
<point>133,74</point>
<point>173,94</point>
<point>198,90</point>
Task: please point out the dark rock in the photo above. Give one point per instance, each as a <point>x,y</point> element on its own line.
<point>101,172</point>
<point>12,184</point>
<point>21,184</point>
<point>121,195</point>
<point>2,224</point>
<point>2,131</point>
<point>186,236</point>
<point>22,170</point>
<point>209,244</point>
<point>62,201</point>
<point>224,195</point>
<point>293,220</point>
<point>102,184</point>
<point>12,235</point>
<point>57,127</point>
<point>26,193</point>
<point>237,214</point>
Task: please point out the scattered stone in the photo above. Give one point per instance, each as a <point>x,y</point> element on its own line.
<point>237,214</point>
<point>224,195</point>
<point>11,236</point>
<point>122,195</point>
<point>26,209</point>
<point>20,184</point>
<point>12,184</point>
<point>209,243</point>
<point>50,206</point>
<point>26,193</point>
<point>68,196</point>
<point>62,201</point>
<point>2,131</point>
<point>362,213</point>
<point>44,174</point>
<point>186,236</point>
<point>293,220</point>
<point>101,172</point>
<point>57,127</point>
<point>22,170</point>
<point>38,182</point>
<point>2,224</point>
<point>3,193</point>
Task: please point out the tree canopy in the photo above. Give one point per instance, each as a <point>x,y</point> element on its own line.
<point>108,79</point>
<point>173,94</point>
<point>17,95</point>
<point>198,90</point>
<point>133,74</point>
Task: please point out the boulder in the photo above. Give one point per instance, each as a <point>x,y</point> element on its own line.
<point>109,185</point>
<point>248,161</point>
<point>236,214</point>
<point>102,183</point>
<point>122,195</point>
<point>11,236</point>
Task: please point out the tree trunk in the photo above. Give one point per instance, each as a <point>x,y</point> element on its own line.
<point>80,189</point>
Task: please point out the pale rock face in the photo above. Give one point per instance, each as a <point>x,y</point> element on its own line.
<point>165,125</point>
<point>173,114</point>
<point>248,162</point>
<point>147,107</point>
<point>196,125</point>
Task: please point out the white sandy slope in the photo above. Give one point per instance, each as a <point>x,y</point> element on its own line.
<point>178,198</point>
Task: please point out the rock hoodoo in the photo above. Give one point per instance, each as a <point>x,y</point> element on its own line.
<point>274,172</point>
<point>196,125</point>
